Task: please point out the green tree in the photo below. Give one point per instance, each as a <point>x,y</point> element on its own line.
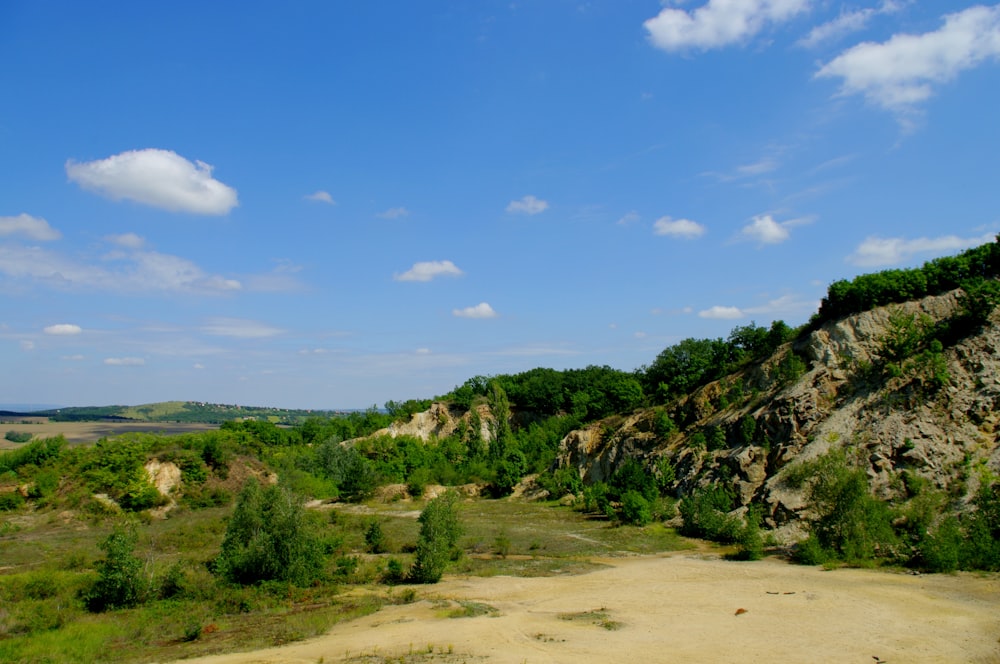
<point>269,538</point>
<point>438,540</point>
<point>500,425</point>
<point>120,581</point>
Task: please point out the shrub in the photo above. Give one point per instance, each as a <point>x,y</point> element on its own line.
<point>269,539</point>
<point>982,545</point>
<point>120,581</point>
<point>705,513</point>
<point>439,533</point>
<point>18,436</point>
<point>374,537</point>
<point>636,509</point>
<point>850,524</point>
<point>749,539</point>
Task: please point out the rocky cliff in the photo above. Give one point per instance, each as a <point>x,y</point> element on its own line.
<point>934,416</point>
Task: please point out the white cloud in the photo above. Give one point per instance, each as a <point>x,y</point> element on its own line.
<point>481,310</point>
<point>900,73</point>
<point>765,230</point>
<point>63,329</point>
<point>72,358</point>
<point>784,305</point>
<point>239,328</point>
<point>427,270</point>
<point>718,23</point>
<point>127,240</point>
<point>124,361</point>
<point>34,228</point>
<point>845,24</point>
<point>682,228</point>
<point>722,313</point>
<point>877,252</point>
<point>423,351</point>
<point>159,178</point>
<point>321,197</point>
<point>395,213</point>
<point>121,272</point>
<point>27,345</point>
<point>198,365</point>
<point>527,205</point>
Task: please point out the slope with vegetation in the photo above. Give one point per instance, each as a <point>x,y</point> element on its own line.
<point>867,436</point>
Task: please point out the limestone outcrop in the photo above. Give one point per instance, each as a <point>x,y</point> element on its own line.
<point>748,428</point>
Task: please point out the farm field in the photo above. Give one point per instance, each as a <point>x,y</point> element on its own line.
<point>89,432</point>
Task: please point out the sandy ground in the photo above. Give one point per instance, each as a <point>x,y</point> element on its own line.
<point>678,608</point>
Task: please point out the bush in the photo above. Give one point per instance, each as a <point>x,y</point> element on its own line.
<point>437,544</point>
<point>375,538</point>
<point>636,509</point>
<point>982,545</point>
<point>850,524</point>
<point>750,541</point>
<point>120,581</point>
<point>18,436</point>
<point>705,513</point>
<point>269,539</point>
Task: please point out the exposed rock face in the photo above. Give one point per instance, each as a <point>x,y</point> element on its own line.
<point>438,421</point>
<point>890,424</point>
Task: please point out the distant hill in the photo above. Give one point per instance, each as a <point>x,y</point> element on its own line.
<point>181,411</point>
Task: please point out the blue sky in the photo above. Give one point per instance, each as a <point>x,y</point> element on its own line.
<point>332,204</point>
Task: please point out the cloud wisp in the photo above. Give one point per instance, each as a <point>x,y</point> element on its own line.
<point>718,23</point>
<point>882,252</point>
<point>321,197</point>
<point>529,205</point>
<point>33,228</point>
<point>158,178</point>
<point>239,328</point>
<point>428,270</point>
<point>119,271</point>
<point>902,72</point>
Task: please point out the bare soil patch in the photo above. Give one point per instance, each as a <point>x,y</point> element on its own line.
<point>676,608</point>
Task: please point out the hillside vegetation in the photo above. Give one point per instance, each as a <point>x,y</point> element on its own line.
<point>867,437</point>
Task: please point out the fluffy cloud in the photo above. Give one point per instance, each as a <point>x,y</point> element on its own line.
<point>765,230</point>
<point>481,310</point>
<point>395,213</point>
<point>159,178</point>
<point>901,72</point>
<point>239,328</point>
<point>682,228</point>
<point>124,361</point>
<point>527,205</point>
<point>62,329</point>
<point>321,197</point>
<point>878,252</point>
<point>723,313</point>
<point>427,270</point>
<point>718,23</point>
<point>33,228</point>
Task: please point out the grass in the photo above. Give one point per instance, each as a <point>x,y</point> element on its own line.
<point>49,557</point>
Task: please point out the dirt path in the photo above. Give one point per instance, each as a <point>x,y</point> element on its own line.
<point>681,608</point>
